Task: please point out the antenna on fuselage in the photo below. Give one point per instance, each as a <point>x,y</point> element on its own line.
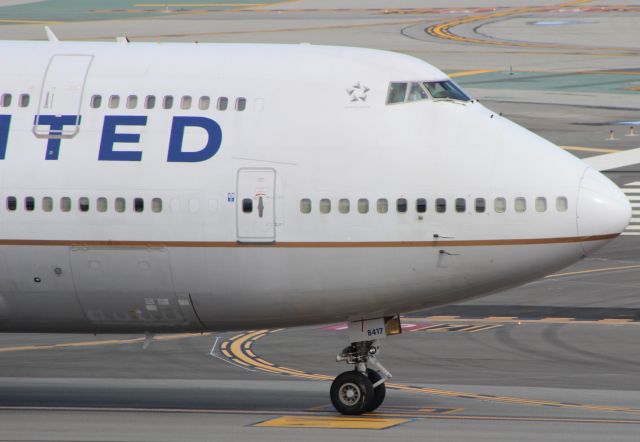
<point>122,40</point>
<point>50,35</point>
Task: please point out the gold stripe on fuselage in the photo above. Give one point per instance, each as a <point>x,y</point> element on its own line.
<point>289,244</point>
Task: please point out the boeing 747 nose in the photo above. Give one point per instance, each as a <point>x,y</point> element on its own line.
<point>603,210</point>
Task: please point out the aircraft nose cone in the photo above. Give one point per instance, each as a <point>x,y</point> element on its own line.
<point>603,211</point>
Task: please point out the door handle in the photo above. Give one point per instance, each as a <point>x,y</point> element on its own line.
<point>260,207</point>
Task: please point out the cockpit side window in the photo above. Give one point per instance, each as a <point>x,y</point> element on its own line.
<point>445,90</point>
<point>397,93</point>
<point>416,92</point>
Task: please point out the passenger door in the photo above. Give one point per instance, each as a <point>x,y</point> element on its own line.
<point>255,205</point>
<point>61,94</point>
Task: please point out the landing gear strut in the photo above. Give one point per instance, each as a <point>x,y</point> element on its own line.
<point>362,389</point>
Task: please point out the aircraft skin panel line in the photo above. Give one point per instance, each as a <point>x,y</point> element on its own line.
<point>187,187</point>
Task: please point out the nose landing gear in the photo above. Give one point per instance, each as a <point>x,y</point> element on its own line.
<point>362,389</point>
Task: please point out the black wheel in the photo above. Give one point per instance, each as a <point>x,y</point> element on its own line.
<point>379,392</point>
<point>352,393</point>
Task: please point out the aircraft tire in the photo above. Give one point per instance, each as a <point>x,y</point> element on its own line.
<point>352,393</point>
<point>379,392</point>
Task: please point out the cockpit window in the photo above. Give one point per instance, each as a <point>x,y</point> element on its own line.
<point>397,92</point>
<point>445,90</point>
<point>406,92</point>
<point>416,92</point>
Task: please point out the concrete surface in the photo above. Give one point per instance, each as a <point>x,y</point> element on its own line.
<point>564,368</point>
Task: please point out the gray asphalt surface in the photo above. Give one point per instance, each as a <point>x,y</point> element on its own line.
<point>564,368</point>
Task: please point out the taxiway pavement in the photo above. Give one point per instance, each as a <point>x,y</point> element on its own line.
<point>553,360</point>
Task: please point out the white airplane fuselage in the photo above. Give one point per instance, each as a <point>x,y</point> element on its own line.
<point>118,217</point>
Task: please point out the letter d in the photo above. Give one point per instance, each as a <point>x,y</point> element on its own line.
<point>214,133</point>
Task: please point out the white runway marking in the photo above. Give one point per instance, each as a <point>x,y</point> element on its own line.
<point>632,190</point>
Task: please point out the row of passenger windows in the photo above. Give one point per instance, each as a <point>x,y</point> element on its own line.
<point>440,204</point>
<point>23,100</point>
<point>167,102</point>
<point>186,102</point>
<point>83,204</point>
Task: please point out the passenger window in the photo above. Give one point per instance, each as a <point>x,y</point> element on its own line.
<point>96,101</point>
<point>12,203</point>
<point>185,103</point>
<point>441,205</point>
<point>204,103</point>
<point>541,204</point>
<point>114,101</point>
<point>305,205</point>
<point>344,205</point>
<point>325,205</point>
<point>416,93</point>
<point>5,100</point>
<point>24,100</point>
<point>101,204</point>
<point>401,205</point>
<point>247,205</point>
<point>397,92</point>
<point>150,102</point>
<point>363,205</point>
<point>132,101</point>
<point>500,205</point>
<point>65,204</point>
<point>421,205</point>
<point>481,205</point>
<point>120,205</point>
<point>382,205</point>
<point>47,204</point>
<point>461,205</point>
<point>138,204</point>
<point>167,102</point>
<point>156,205</point>
<point>83,204</point>
<point>562,204</point>
<point>241,104</point>
<point>520,204</point>
<point>223,103</point>
<point>29,203</point>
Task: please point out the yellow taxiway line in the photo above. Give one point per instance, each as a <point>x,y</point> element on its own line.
<point>598,270</point>
<point>239,352</point>
<point>591,149</point>
<point>194,5</point>
<point>99,343</point>
<point>339,422</point>
<point>516,320</point>
<point>472,72</point>
<point>32,22</point>
<point>443,30</point>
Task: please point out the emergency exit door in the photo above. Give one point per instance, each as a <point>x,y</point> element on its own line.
<point>61,95</point>
<point>255,205</point>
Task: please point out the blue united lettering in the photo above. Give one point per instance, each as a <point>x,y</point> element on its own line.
<point>121,137</point>
<point>56,125</point>
<point>5,124</point>
<point>176,141</point>
<point>110,136</point>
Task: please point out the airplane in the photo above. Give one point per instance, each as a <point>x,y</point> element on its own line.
<point>172,187</point>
